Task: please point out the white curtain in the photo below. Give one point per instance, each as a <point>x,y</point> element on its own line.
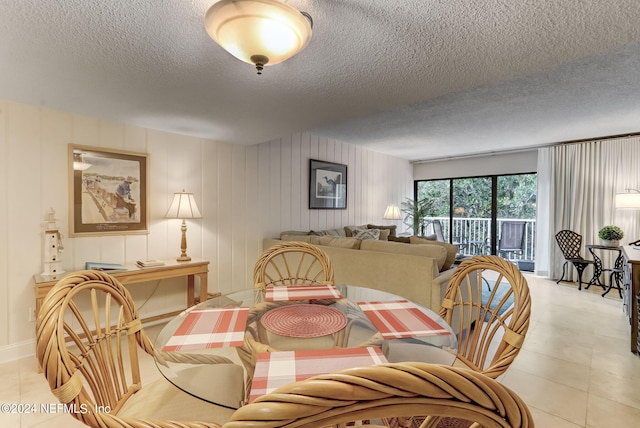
<point>577,184</point>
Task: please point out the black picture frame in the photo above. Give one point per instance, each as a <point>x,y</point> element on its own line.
<point>327,185</point>
<point>96,177</point>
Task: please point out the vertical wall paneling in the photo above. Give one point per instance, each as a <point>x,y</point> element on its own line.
<point>4,228</point>
<point>275,188</point>
<point>24,238</point>
<point>245,193</point>
<point>241,217</point>
<point>285,181</point>
<point>298,200</point>
<point>211,207</point>
<point>373,179</point>
<point>225,217</point>
<point>254,212</point>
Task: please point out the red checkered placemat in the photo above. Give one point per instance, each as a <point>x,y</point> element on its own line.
<point>301,292</point>
<point>401,318</point>
<point>210,328</point>
<point>275,369</point>
<point>304,320</point>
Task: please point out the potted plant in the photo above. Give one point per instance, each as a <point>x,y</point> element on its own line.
<point>611,236</point>
<point>415,213</point>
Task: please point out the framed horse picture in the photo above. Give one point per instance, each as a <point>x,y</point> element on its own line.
<point>108,190</point>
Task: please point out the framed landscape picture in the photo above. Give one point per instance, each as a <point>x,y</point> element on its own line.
<point>108,191</point>
<point>327,185</point>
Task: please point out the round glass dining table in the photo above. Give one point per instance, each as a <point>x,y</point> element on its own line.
<point>232,348</point>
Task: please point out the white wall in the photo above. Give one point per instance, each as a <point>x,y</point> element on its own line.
<point>494,164</point>
<point>244,193</point>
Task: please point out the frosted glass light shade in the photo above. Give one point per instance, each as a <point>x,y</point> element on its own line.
<point>183,206</point>
<point>392,213</point>
<point>261,32</point>
<point>628,200</point>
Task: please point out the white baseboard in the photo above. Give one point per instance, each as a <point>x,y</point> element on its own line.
<point>17,351</point>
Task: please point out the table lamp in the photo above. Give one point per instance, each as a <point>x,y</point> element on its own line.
<point>392,213</point>
<point>628,200</point>
<point>183,207</point>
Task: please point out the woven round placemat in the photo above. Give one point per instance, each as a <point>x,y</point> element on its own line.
<point>304,321</point>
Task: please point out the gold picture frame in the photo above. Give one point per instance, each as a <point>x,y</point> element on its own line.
<point>108,191</point>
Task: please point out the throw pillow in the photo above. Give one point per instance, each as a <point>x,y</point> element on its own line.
<point>384,234</point>
<point>331,232</point>
<point>367,234</point>
<point>391,229</point>
<point>350,230</point>
<point>452,250</point>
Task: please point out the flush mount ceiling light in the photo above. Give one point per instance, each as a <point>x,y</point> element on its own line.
<point>260,32</point>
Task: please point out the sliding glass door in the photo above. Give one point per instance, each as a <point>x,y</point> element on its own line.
<point>483,215</point>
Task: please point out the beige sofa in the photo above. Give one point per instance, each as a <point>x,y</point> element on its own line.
<point>419,271</point>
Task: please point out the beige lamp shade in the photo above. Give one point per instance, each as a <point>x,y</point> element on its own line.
<point>183,206</point>
<point>260,32</point>
<point>392,213</point>
<point>628,200</point>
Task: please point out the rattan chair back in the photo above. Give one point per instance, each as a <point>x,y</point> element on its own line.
<point>400,390</point>
<point>292,263</point>
<point>87,342</point>
<point>491,327</point>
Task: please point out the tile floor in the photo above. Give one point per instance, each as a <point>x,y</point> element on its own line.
<point>575,368</point>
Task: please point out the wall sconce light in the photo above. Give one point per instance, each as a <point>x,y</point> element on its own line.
<point>183,206</point>
<point>259,32</point>
<point>392,213</point>
<point>628,200</point>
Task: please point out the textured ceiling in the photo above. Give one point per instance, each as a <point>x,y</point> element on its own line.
<point>418,79</point>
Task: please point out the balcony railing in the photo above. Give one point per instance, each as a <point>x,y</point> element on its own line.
<point>473,235</point>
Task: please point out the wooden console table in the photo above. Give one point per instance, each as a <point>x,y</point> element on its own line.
<point>134,274</point>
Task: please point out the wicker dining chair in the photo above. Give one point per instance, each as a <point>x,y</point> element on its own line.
<point>570,244</point>
<point>398,390</point>
<point>88,335</point>
<point>292,263</point>
<point>490,327</point>
<point>288,263</point>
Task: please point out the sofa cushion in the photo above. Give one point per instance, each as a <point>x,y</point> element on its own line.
<point>391,229</point>
<point>294,232</point>
<point>334,241</point>
<point>365,234</point>
<point>451,249</point>
<point>309,239</point>
<point>329,232</point>
<point>349,230</point>
<point>432,251</point>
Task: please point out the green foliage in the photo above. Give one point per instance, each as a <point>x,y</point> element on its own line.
<point>415,212</point>
<point>516,196</point>
<point>611,233</point>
